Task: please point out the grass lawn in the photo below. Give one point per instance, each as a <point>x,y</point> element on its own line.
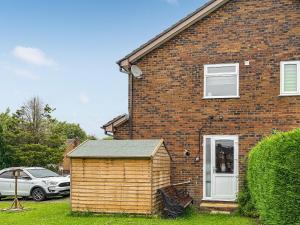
<point>58,213</point>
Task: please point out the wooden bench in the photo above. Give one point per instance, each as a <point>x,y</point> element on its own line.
<point>175,201</point>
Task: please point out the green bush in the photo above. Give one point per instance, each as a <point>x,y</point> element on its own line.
<point>246,205</point>
<point>274,178</point>
<point>37,155</point>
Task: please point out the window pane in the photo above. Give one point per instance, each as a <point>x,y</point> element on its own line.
<point>290,77</point>
<point>224,156</point>
<point>221,86</point>
<point>7,175</point>
<point>41,173</point>
<point>208,168</point>
<point>23,175</point>
<point>221,69</point>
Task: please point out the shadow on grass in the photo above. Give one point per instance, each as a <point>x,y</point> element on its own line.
<point>189,213</point>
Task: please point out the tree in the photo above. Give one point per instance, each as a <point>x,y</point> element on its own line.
<point>4,154</point>
<point>38,155</point>
<point>35,114</point>
<point>91,137</point>
<point>69,130</point>
<point>32,137</point>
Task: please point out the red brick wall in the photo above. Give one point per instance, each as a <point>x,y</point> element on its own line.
<point>122,131</point>
<point>168,101</point>
<point>66,163</point>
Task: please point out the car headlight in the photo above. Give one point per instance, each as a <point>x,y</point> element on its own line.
<point>50,183</point>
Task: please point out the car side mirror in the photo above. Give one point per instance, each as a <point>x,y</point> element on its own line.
<point>26,178</point>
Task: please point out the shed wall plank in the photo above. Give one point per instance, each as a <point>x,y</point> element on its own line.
<point>111,185</point>
<point>161,165</point>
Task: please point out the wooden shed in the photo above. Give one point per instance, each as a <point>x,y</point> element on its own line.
<point>119,176</point>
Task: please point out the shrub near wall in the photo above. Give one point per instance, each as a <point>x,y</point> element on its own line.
<point>246,205</point>
<point>274,178</point>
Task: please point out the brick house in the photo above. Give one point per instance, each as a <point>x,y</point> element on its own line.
<point>212,86</point>
<point>66,163</point>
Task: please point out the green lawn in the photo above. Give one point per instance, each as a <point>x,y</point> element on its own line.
<point>58,213</point>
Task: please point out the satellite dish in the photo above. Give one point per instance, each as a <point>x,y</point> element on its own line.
<point>136,71</point>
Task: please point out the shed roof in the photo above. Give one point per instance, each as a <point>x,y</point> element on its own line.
<point>117,149</point>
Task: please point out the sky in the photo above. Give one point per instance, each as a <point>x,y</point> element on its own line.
<point>65,52</point>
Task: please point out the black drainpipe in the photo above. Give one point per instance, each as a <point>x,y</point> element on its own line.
<point>205,124</point>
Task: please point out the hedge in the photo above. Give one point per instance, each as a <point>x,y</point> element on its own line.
<point>246,205</point>
<point>274,178</point>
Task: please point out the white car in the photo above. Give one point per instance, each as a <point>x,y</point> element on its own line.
<point>36,182</point>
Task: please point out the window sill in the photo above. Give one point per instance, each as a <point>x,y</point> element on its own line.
<point>222,97</point>
<point>218,200</point>
<point>288,95</point>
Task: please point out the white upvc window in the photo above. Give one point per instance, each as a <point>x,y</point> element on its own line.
<point>221,81</point>
<point>290,78</point>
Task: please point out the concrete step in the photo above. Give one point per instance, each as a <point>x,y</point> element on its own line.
<point>218,207</point>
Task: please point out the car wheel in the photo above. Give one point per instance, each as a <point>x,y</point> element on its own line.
<point>38,194</point>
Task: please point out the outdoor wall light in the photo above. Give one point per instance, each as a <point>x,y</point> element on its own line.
<point>187,153</point>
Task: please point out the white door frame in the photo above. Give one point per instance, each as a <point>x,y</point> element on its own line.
<point>235,138</point>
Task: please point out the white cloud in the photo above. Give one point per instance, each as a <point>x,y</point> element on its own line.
<point>33,56</point>
<point>83,98</point>
<point>172,2</point>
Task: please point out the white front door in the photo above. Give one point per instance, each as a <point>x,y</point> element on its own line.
<point>220,168</point>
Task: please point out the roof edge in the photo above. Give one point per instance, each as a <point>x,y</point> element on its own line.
<point>68,155</point>
<point>117,119</point>
<point>159,144</point>
<point>172,31</point>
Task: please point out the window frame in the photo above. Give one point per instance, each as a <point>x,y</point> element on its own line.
<point>237,73</point>
<point>289,93</point>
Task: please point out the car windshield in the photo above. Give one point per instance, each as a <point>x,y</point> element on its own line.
<point>42,173</point>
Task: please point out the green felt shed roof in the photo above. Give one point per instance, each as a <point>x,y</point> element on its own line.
<point>117,149</point>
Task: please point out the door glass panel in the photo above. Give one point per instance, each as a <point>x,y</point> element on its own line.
<point>224,156</point>
<point>208,168</point>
